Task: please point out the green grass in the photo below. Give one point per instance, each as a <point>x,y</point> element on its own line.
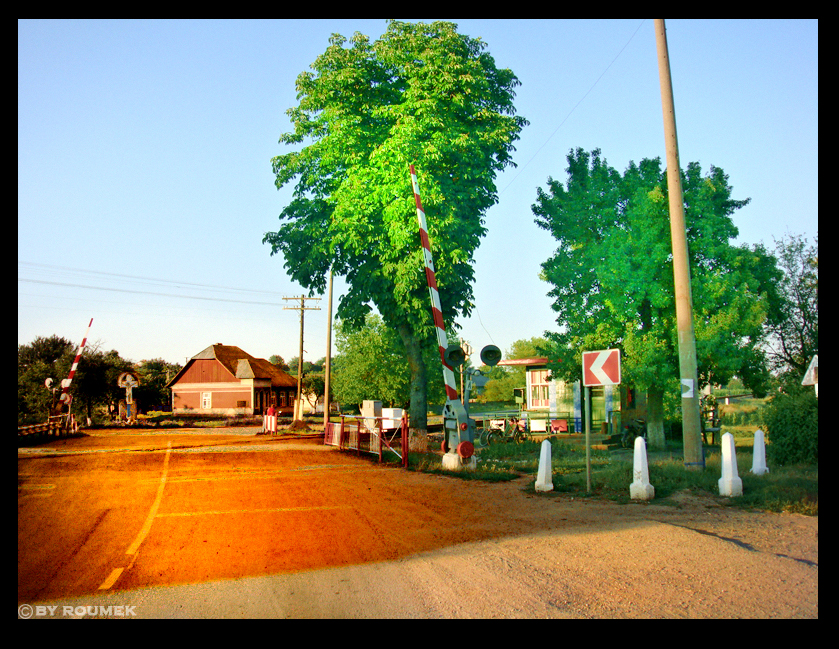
<point>792,489</point>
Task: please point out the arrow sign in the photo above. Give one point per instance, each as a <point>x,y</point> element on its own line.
<point>602,368</point>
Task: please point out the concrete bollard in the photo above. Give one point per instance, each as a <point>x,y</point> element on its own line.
<point>759,454</point>
<point>730,482</point>
<point>544,479</point>
<point>641,489</point>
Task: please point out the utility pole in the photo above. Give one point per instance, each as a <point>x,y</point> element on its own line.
<point>298,407</point>
<point>467,352</point>
<point>691,430</point>
<point>328,368</point>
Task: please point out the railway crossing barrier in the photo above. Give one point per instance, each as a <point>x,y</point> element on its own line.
<point>368,435</point>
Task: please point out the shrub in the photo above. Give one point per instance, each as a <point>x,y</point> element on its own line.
<point>792,428</point>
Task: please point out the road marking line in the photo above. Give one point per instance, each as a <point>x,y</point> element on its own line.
<point>144,531</point>
<point>266,474</point>
<point>254,511</point>
<point>111,580</point>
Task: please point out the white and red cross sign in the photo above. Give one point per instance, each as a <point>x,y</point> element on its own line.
<point>602,368</point>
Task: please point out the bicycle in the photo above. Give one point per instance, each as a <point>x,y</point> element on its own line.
<point>636,428</point>
<point>505,430</point>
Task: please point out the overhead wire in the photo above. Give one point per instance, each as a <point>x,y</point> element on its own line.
<point>574,108</point>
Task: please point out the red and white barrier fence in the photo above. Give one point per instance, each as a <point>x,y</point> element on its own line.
<point>430,275</point>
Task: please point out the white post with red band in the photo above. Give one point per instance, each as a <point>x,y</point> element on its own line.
<point>436,310</point>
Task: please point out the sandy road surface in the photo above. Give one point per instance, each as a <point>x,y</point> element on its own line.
<point>208,525</point>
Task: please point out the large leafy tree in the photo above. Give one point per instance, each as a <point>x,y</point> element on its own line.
<point>793,335</point>
<point>94,384</point>
<point>371,365</point>
<point>41,359</point>
<point>612,276</point>
<point>421,94</point>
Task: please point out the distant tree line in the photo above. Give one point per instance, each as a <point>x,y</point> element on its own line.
<point>95,392</point>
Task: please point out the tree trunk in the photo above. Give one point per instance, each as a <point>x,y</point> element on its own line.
<point>655,417</point>
<point>419,379</point>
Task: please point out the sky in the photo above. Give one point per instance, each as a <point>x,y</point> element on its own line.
<point>145,184</point>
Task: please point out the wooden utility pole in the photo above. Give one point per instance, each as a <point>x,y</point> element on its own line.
<point>691,430</point>
<point>298,407</point>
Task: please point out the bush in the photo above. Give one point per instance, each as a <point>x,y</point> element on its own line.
<point>792,428</point>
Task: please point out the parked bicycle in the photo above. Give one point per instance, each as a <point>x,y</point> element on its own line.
<point>635,428</point>
<point>511,429</point>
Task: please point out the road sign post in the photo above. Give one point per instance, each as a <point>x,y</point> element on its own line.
<point>600,368</point>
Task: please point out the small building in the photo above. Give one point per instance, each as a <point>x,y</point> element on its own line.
<point>225,380</point>
<point>556,399</point>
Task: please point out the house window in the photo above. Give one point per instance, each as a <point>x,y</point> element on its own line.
<point>539,390</point>
<point>282,399</point>
<point>206,400</point>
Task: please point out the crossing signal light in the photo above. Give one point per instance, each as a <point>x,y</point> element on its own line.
<point>490,355</point>
<point>454,356</point>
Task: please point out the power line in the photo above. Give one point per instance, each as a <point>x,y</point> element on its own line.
<point>176,283</point>
<point>125,290</point>
<point>573,109</point>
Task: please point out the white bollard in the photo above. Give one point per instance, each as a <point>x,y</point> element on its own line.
<point>641,489</point>
<point>730,482</point>
<point>544,479</point>
<point>759,454</point>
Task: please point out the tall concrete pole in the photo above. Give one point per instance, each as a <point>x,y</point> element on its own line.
<point>328,369</point>
<point>691,429</point>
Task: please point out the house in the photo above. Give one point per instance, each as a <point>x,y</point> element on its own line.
<point>226,380</point>
<point>560,400</point>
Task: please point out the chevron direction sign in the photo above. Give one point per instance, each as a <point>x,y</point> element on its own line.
<point>602,368</point>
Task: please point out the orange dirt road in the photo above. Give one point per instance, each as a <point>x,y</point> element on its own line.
<point>233,525</point>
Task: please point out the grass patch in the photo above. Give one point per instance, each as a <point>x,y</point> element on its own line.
<point>793,489</point>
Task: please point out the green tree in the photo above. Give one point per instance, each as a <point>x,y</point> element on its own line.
<point>612,276</point>
<point>371,364</point>
<point>793,335</point>
<point>152,393</point>
<point>278,360</point>
<point>43,358</point>
<point>504,379</point>
<point>94,384</point>
<point>421,94</point>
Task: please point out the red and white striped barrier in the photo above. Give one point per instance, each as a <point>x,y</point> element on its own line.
<point>442,340</point>
<point>269,421</point>
<point>65,394</point>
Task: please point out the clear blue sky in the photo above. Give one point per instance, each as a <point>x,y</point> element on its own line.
<point>144,151</point>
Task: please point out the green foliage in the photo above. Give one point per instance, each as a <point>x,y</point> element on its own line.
<point>94,384</point>
<point>371,364</point>
<point>794,328</point>
<point>792,427</point>
<point>503,380</point>
<point>36,362</point>
<point>152,393</point>
<point>95,381</point>
<point>421,94</point>
<point>612,273</point>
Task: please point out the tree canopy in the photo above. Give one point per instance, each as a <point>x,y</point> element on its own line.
<point>612,274</point>
<point>794,331</point>
<point>95,381</point>
<point>421,94</point>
